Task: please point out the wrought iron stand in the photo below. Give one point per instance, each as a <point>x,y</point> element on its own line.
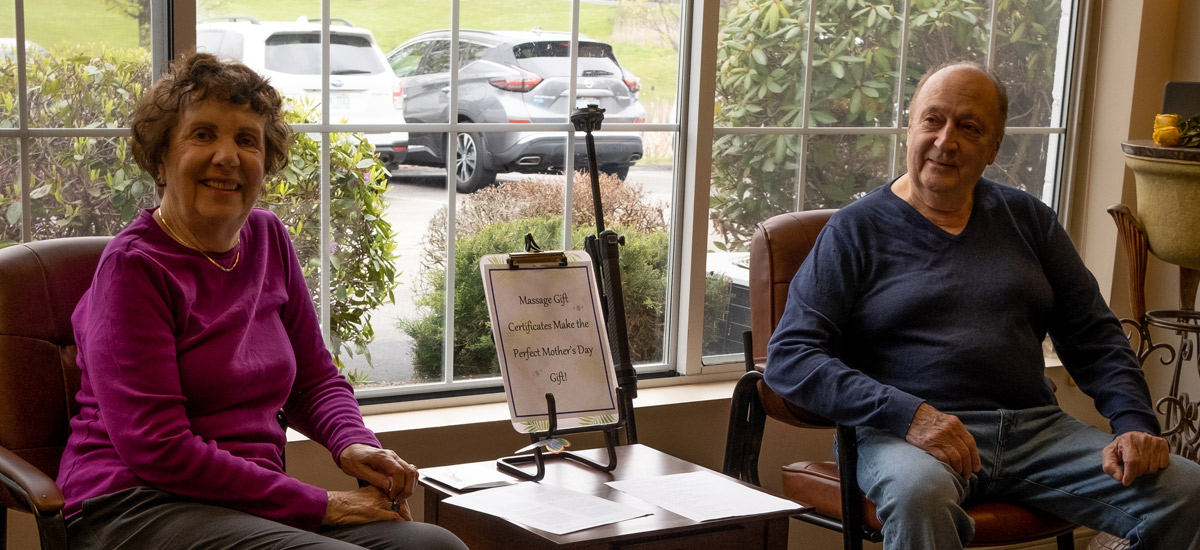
<point>1181,427</point>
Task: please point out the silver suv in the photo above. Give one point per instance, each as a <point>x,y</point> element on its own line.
<point>515,76</point>
<point>362,86</point>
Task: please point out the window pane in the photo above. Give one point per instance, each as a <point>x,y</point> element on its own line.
<point>408,331</point>
<point>93,75</point>
<point>941,36</point>
<point>841,169</point>
<point>85,186</point>
<point>761,84</point>
<point>1025,162</point>
<point>1030,60</point>
<point>362,241</point>
<point>10,192</point>
<point>854,63</point>
<point>754,177</point>
<point>8,67</point>
<point>494,221</point>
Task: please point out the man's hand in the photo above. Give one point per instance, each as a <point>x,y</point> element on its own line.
<point>944,436</point>
<point>382,468</point>
<point>1132,454</point>
<point>363,505</point>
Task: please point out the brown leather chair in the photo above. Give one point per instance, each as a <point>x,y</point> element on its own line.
<point>777,249</point>
<point>40,283</point>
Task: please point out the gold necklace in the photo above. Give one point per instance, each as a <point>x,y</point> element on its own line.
<point>167,226</point>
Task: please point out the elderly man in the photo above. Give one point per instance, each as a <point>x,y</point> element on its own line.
<point>919,318</point>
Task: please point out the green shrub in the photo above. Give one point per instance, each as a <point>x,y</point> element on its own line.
<point>495,220</point>
<point>79,185</point>
<point>855,64</point>
<point>91,186</point>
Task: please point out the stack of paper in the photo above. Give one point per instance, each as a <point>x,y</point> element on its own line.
<point>546,507</point>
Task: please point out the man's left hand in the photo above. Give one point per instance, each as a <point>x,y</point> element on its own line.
<point>382,468</point>
<point>1132,454</point>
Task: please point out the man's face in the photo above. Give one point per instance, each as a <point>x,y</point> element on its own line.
<point>954,130</point>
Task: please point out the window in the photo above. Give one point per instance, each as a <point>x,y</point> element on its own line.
<point>811,98</point>
<point>472,149</point>
<point>64,169</point>
<point>489,95</point>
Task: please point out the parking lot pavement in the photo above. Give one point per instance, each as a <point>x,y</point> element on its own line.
<point>413,198</point>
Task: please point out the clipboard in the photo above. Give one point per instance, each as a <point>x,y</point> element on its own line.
<point>551,340</point>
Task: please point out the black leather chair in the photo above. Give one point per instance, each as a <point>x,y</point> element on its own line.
<point>40,283</point>
<point>777,249</point>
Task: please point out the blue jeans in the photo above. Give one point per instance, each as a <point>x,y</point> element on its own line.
<point>1041,458</point>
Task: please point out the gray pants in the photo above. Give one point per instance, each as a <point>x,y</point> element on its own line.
<point>145,518</point>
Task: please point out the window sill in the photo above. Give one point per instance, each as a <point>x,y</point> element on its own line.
<point>475,409</point>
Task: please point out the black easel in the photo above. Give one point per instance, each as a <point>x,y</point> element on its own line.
<point>605,253</point>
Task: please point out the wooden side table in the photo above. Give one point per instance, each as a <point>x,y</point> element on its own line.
<point>661,530</point>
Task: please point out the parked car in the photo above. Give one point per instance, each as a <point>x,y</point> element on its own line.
<point>515,76</point>
<point>362,86</point>
<point>8,49</point>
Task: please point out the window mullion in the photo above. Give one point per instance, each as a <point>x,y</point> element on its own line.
<point>451,200</point>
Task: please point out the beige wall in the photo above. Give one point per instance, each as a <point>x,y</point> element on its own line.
<point>1133,50</point>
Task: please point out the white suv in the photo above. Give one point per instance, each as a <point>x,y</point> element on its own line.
<point>363,88</point>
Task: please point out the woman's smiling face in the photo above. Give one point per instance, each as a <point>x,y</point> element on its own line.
<point>214,166</point>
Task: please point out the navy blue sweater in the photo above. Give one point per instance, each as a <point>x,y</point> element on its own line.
<point>889,311</point>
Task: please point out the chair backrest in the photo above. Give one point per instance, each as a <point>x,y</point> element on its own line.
<point>779,245</point>
<point>40,284</point>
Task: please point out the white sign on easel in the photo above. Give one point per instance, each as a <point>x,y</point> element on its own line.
<point>550,336</point>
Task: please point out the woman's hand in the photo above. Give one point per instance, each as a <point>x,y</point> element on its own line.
<point>382,468</point>
<point>363,505</point>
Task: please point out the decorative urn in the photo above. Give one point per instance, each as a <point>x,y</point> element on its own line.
<point>1168,199</point>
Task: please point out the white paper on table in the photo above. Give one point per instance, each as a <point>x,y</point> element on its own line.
<point>546,507</point>
<point>469,477</point>
<point>703,496</point>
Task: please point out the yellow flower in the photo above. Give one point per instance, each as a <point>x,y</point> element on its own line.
<point>1166,131</point>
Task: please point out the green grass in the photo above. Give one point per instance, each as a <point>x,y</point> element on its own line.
<point>59,22</point>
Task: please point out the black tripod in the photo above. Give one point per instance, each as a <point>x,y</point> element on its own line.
<point>604,248</point>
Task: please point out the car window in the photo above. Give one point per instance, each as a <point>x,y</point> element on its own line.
<point>221,43</point>
<point>470,51</point>
<point>562,48</point>
<point>407,60</point>
<point>300,53</point>
<point>437,58</point>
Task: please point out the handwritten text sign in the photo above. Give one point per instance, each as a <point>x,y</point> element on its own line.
<point>549,330</point>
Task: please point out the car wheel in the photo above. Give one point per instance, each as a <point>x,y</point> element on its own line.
<point>471,171</point>
<point>621,171</point>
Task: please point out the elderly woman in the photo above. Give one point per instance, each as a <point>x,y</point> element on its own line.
<point>196,332</point>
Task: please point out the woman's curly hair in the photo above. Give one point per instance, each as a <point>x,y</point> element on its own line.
<point>196,77</point>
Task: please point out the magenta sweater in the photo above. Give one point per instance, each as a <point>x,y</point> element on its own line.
<point>185,367</point>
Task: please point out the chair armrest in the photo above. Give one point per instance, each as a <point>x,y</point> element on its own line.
<point>787,412</point>
<point>41,495</point>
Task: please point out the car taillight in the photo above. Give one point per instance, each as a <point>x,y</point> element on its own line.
<point>397,94</point>
<point>520,81</point>
<point>634,83</point>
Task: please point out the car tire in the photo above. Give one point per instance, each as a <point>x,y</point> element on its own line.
<point>471,170</point>
<point>621,171</point>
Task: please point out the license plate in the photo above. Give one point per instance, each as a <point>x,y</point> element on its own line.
<point>340,101</point>
<point>582,102</point>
